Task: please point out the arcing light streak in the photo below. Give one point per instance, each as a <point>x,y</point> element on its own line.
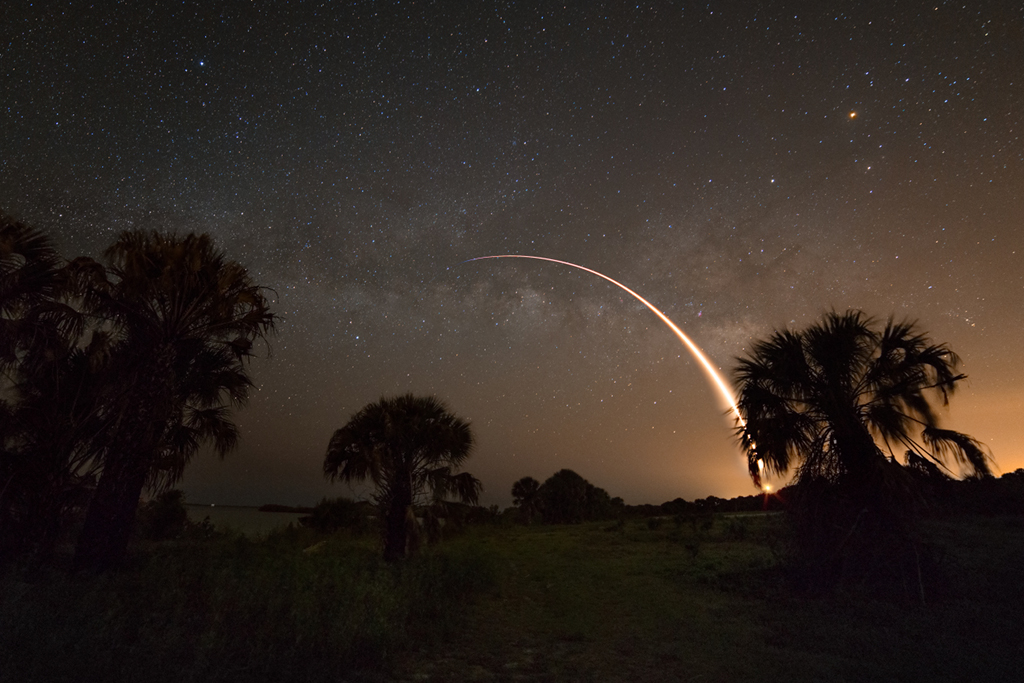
<point>694,349</point>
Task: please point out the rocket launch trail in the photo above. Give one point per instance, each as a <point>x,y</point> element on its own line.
<point>713,374</point>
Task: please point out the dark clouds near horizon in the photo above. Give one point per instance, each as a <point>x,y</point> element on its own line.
<point>744,166</point>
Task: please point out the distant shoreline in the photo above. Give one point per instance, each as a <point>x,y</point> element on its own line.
<point>268,507</point>
<point>247,519</point>
<point>219,505</point>
<point>273,507</point>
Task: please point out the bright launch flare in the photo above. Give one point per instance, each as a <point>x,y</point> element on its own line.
<point>694,349</point>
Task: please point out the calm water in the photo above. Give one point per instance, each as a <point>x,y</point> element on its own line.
<point>248,520</point>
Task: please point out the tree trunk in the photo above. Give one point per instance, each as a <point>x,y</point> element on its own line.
<point>108,523</point>
<point>397,511</point>
<point>133,446</point>
<point>49,515</point>
<point>396,531</point>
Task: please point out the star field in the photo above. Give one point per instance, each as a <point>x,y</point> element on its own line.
<point>742,167</point>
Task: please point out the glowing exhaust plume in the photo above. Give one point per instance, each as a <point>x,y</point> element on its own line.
<point>694,349</point>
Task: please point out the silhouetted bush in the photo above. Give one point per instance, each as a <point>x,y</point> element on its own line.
<point>568,498</point>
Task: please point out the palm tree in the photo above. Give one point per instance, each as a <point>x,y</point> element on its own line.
<point>44,459</point>
<point>184,320</point>
<point>827,400</point>
<point>410,448</point>
<point>53,461</point>
<point>525,497</point>
<point>30,281</point>
<point>836,401</point>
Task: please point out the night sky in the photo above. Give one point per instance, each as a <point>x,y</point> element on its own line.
<point>744,166</point>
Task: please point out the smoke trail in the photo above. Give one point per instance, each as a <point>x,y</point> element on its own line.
<point>713,374</point>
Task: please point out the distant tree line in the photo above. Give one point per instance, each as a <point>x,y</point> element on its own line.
<point>678,506</point>
<point>941,495</point>
<point>114,373</point>
<point>567,498</point>
<point>987,495</point>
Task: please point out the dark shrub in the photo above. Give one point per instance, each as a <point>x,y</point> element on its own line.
<point>568,498</point>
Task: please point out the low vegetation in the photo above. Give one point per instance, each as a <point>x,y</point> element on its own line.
<point>294,606</point>
<point>698,596</point>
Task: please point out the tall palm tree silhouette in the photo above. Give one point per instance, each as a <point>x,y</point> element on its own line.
<point>826,400</point>
<point>836,402</point>
<point>32,284</point>
<point>184,320</point>
<point>410,448</point>
<point>47,387</point>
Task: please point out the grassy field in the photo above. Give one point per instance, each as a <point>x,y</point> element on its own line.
<point>597,602</point>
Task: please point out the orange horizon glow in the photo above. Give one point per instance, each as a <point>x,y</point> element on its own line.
<point>695,350</point>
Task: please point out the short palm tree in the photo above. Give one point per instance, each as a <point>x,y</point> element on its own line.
<point>410,448</point>
<point>525,496</point>
<point>184,320</point>
<point>836,401</point>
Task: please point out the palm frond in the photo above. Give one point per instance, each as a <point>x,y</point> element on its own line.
<point>965,450</point>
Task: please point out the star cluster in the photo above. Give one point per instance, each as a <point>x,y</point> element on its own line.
<point>743,166</point>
